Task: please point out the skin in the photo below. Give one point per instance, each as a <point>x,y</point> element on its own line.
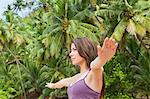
<point>77,59</point>
<point>94,77</point>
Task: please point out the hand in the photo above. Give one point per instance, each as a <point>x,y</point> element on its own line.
<point>107,51</point>
<point>50,85</point>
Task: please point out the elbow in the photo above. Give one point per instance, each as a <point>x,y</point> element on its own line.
<point>99,68</point>
<point>96,64</point>
<point>96,67</point>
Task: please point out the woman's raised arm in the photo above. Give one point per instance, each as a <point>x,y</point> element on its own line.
<point>105,53</point>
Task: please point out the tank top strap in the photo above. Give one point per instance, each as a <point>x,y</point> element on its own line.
<point>86,74</point>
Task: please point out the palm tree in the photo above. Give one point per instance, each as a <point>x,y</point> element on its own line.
<point>35,77</point>
<point>68,20</point>
<point>131,16</point>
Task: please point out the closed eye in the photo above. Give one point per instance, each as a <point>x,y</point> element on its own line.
<point>73,49</point>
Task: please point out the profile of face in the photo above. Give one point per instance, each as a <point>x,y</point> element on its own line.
<point>75,57</point>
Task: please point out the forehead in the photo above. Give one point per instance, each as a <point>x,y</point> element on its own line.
<point>73,45</point>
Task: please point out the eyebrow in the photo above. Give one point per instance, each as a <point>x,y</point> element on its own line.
<point>73,48</point>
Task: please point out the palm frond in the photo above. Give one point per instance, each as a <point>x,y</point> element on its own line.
<point>142,4</point>
<point>140,30</point>
<point>119,30</point>
<point>81,15</point>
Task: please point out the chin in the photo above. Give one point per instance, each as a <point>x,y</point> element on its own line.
<point>74,63</point>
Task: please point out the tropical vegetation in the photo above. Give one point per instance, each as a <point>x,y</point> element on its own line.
<point>34,49</point>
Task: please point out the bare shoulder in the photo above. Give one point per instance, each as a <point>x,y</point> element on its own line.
<point>72,79</point>
<point>75,77</point>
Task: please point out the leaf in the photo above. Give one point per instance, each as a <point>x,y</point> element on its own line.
<point>50,28</point>
<point>144,21</point>
<point>142,4</point>
<point>89,26</point>
<point>56,45</point>
<point>56,30</point>
<point>136,68</point>
<point>119,30</point>
<point>68,41</point>
<point>72,27</point>
<point>82,14</point>
<point>140,30</point>
<point>47,54</point>
<point>2,38</point>
<point>18,39</point>
<point>47,41</point>
<point>131,27</point>
<point>98,21</point>
<point>40,52</point>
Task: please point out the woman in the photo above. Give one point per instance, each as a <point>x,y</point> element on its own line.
<point>89,83</point>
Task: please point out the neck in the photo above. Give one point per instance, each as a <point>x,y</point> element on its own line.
<point>83,68</point>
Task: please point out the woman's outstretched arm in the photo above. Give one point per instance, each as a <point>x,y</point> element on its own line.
<point>62,83</point>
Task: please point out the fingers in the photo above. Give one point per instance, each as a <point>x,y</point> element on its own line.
<point>110,43</point>
<point>99,49</point>
<point>114,44</point>
<point>46,85</point>
<point>49,85</point>
<point>106,41</point>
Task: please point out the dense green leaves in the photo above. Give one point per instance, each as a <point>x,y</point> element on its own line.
<point>34,49</point>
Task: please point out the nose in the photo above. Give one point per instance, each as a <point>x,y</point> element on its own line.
<point>70,54</point>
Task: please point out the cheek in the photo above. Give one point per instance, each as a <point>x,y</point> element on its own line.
<point>78,60</point>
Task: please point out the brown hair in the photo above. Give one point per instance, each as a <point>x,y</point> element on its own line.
<point>88,50</point>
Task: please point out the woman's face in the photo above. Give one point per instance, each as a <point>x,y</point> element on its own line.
<point>75,57</point>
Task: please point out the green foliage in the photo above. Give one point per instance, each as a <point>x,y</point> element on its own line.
<point>9,79</point>
<point>34,49</point>
<point>141,70</point>
<point>139,67</point>
<point>34,75</point>
<point>117,80</point>
<point>119,96</point>
<point>8,90</point>
<point>3,94</point>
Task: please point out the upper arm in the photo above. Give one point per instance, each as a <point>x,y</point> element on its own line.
<point>96,73</point>
<point>67,81</point>
<point>95,78</point>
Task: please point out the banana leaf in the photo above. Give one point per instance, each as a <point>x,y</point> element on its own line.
<point>119,30</point>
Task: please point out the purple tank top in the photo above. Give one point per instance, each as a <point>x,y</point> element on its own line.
<point>80,90</point>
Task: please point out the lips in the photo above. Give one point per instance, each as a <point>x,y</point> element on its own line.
<point>72,58</point>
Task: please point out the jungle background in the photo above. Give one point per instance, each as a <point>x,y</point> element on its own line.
<point>34,49</point>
